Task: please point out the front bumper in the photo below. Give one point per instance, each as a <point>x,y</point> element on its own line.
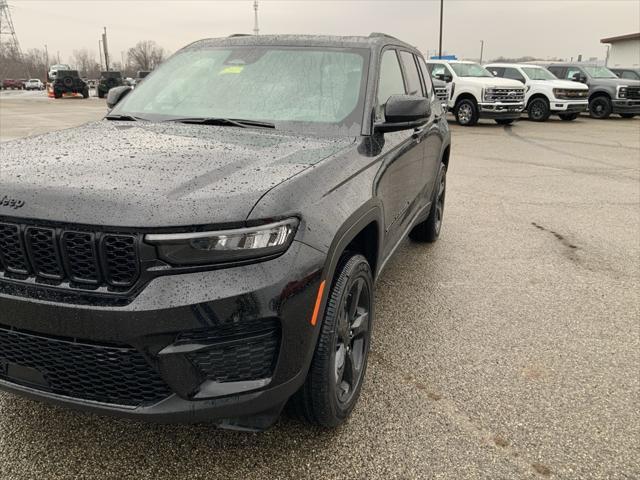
<point>569,106</point>
<point>497,110</point>
<point>227,346</point>
<point>626,106</point>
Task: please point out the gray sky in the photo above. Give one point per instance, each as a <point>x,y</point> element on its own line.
<point>544,28</point>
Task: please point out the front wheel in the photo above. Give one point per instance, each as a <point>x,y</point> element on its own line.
<point>338,367</point>
<point>85,93</point>
<point>466,113</point>
<point>600,107</point>
<point>429,230</point>
<point>539,110</point>
<point>504,121</point>
<point>100,94</point>
<point>567,117</point>
<point>627,115</point>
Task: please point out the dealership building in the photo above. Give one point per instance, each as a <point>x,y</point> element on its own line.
<point>624,50</point>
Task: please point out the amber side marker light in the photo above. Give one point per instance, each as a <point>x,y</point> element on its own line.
<point>316,309</point>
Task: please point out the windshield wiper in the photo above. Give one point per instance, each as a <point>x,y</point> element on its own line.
<point>233,122</point>
<point>124,118</point>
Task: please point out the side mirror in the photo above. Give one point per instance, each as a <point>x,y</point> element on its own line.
<point>578,77</point>
<point>116,94</point>
<point>403,112</point>
<point>445,77</point>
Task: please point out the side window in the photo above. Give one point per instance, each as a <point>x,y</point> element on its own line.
<point>497,71</point>
<point>557,71</point>
<point>426,78</point>
<point>413,76</point>
<point>629,75</point>
<point>513,74</point>
<point>571,71</point>
<point>437,69</point>
<point>390,82</point>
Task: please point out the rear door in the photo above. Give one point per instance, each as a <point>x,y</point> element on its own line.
<point>433,135</point>
<point>399,183</point>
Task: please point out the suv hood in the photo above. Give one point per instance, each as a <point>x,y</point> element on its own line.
<point>560,84</point>
<point>151,174</point>
<point>492,81</point>
<point>614,82</point>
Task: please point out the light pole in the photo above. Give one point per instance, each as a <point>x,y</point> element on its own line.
<point>46,63</point>
<point>481,50</point>
<point>441,12</point>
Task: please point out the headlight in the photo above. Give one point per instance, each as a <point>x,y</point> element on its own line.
<point>489,94</point>
<point>204,248</point>
<point>622,92</point>
<point>559,92</point>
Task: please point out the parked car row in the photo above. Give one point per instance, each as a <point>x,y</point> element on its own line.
<point>503,91</point>
<point>31,84</point>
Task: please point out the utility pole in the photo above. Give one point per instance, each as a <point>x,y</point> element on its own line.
<point>106,49</point>
<point>256,30</point>
<point>46,63</point>
<point>100,53</point>
<point>481,50</point>
<point>441,12</point>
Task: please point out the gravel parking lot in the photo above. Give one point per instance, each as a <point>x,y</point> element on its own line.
<point>508,350</point>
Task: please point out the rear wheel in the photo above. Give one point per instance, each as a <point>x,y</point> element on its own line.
<point>627,115</point>
<point>85,92</point>
<point>337,370</point>
<point>538,109</point>
<point>466,112</point>
<point>504,121</point>
<point>429,230</point>
<point>100,93</point>
<point>57,94</point>
<point>600,107</point>
<point>567,117</point>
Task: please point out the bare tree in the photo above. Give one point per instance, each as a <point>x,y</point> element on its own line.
<point>146,55</point>
<point>85,62</point>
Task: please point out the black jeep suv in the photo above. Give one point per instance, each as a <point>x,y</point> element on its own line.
<point>209,250</point>
<point>108,80</point>
<point>68,81</point>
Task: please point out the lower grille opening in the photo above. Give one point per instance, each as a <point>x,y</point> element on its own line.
<point>244,352</point>
<point>118,375</point>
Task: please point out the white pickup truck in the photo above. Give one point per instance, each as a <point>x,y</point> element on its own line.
<point>545,94</point>
<point>475,93</point>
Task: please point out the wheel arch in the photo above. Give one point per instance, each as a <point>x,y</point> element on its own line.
<point>538,95</point>
<point>599,93</point>
<point>466,95</point>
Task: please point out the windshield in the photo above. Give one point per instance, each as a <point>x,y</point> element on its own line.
<point>537,73</point>
<point>293,88</point>
<point>599,72</point>
<point>470,70</point>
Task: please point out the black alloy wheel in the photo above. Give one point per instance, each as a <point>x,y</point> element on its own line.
<point>539,110</point>
<point>600,107</point>
<point>429,230</point>
<point>339,363</point>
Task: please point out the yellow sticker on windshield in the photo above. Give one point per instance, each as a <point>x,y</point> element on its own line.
<point>231,69</point>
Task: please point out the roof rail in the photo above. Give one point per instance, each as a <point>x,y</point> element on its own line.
<point>239,35</point>
<point>381,34</point>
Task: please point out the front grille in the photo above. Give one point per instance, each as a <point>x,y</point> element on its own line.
<point>242,351</point>
<point>441,93</point>
<point>84,259</point>
<point>633,92</point>
<point>99,373</point>
<point>504,95</point>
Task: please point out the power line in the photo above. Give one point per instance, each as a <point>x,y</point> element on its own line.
<point>256,29</point>
<point>8,37</point>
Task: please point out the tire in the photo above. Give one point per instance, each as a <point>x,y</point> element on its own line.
<point>85,93</point>
<point>330,392</point>
<point>539,109</point>
<point>627,115</point>
<point>57,94</point>
<point>504,121</point>
<point>600,107</point>
<point>466,113</point>
<point>567,117</point>
<point>100,93</point>
<point>429,230</point>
